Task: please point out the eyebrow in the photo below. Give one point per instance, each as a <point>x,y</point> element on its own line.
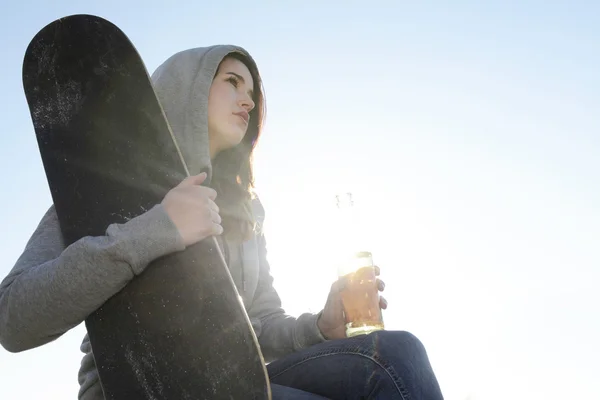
<point>241,78</point>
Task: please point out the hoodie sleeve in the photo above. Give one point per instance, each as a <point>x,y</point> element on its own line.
<point>279,334</point>
<point>52,289</point>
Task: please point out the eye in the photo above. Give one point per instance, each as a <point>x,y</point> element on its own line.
<point>233,80</point>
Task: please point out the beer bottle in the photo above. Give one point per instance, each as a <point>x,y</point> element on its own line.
<point>360,296</point>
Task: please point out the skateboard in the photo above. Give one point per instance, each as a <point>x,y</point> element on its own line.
<point>179,330</point>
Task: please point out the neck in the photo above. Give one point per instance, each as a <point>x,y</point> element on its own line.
<point>213,150</point>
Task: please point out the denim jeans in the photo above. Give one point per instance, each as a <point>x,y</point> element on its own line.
<point>382,365</point>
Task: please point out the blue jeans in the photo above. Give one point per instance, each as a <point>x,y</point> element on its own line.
<point>382,365</point>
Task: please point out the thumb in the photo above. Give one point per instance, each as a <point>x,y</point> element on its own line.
<point>195,179</point>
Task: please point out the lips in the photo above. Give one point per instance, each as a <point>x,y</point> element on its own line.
<point>244,115</point>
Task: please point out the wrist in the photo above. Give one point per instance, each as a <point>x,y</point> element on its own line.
<point>321,328</point>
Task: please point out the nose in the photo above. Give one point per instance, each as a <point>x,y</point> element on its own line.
<point>246,102</point>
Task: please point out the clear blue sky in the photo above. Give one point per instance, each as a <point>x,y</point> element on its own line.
<point>470,133</point>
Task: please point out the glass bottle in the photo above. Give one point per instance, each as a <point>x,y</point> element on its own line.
<point>360,296</point>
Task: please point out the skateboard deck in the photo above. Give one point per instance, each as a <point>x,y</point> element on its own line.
<point>179,330</point>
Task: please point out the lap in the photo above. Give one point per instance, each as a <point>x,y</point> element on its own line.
<point>384,364</point>
<point>280,392</point>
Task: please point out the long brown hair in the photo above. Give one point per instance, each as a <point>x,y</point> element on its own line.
<point>233,177</point>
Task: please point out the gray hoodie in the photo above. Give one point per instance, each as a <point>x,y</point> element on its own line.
<point>52,287</point>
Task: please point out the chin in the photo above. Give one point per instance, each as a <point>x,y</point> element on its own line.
<point>233,140</point>
<point>230,135</point>
<point>236,135</point>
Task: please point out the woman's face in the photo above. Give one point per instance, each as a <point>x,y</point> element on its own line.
<point>229,104</point>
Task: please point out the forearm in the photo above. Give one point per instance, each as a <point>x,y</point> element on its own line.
<point>51,290</point>
<point>283,334</point>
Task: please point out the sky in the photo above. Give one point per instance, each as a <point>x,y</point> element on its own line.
<point>469,134</point>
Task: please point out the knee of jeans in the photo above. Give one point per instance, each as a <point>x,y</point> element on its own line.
<point>395,341</point>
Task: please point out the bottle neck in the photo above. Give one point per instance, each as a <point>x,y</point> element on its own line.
<point>352,232</point>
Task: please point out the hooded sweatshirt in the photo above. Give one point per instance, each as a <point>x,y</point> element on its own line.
<point>52,288</point>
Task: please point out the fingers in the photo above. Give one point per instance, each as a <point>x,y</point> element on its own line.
<point>383,303</point>
<point>203,192</point>
<point>217,229</point>
<point>213,206</point>
<point>216,218</point>
<point>380,285</point>
<point>212,193</point>
<point>209,192</point>
<point>197,180</point>
<point>194,179</point>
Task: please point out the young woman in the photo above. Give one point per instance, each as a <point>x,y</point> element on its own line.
<point>214,101</point>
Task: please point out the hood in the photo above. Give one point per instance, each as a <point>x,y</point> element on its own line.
<point>182,84</point>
